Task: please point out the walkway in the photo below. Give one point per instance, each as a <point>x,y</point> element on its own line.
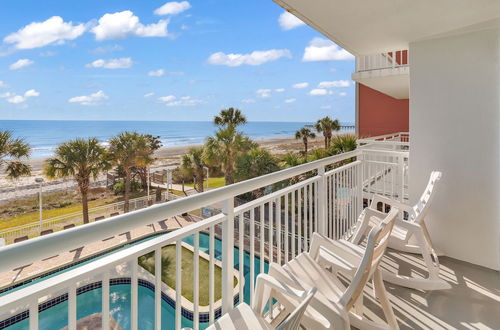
<point>33,270</point>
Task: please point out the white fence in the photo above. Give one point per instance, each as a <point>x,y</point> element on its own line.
<point>327,198</point>
<point>387,60</point>
<point>67,221</point>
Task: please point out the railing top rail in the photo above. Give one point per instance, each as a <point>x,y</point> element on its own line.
<point>29,251</point>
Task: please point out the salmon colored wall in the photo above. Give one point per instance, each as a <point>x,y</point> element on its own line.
<point>381,114</point>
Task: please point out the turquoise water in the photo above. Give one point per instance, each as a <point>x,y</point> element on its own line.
<point>90,302</point>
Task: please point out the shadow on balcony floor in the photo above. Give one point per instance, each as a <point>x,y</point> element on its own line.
<point>473,302</point>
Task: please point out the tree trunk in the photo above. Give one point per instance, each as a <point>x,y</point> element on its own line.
<point>85,201</point>
<point>127,191</point>
<point>229,176</point>
<point>326,140</point>
<point>199,181</point>
<point>305,147</point>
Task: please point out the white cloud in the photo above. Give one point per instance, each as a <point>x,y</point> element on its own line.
<point>156,73</point>
<point>16,99</point>
<point>279,90</point>
<point>248,101</point>
<point>263,93</point>
<point>257,57</point>
<point>149,95</point>
<point>318,91</point>
<point>166,98</point>
<point>335,83</point>
<point>119,25</point>
<point>91,99</point>
<point>47,53</point>
<point>301,85</point>
<point>113,63</point>
<point>342,94</point>
<point>31,93</point>
<point>39,34</point>
<point>290,100</point>
<point>320,49</point>
<point>106,49</point>
<point>326,107</point>
<point>3,84</point>
<point>22,63</point>
<point>183,101</point>
<point>289,21</point>
<point>173,8</point>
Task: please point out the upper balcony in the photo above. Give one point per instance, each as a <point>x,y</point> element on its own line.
<point>51,282</point>
<point>387,72</point>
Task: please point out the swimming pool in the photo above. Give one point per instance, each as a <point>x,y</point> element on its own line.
<point>89,302</point>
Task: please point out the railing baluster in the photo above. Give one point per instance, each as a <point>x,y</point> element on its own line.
<point>293,224</point>
<point>262,240</point>
<point>211,279</point>
<point>270,221</point>
<point>311,219</point>
<point>33,312</point>
<point>299,221</point>
<point>134,301</point>
<point>178,284</point>
<point>241,249</point>
<point>72,307</point>
<point>252,253</point>
<point>278,231</point>
<point>287,221</point>
<point>105,300</point>
<point>196,282</point>
<point>227,255</point>
<point>158,284</point>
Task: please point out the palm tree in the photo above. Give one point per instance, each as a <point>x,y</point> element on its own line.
<point>128,150</point>
<point>230,118</point>
<point>193,163</point>
<point>223,148</point>
<point>142,171</point>
<point>256,162</point>
<point>326,125</point>
<point>343,143</point>
<point>305,134</point>
<point>80,159</point>
<point>12,153</point>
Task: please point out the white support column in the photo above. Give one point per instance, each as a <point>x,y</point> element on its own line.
<point>178,284</point>
<point>227,255</point>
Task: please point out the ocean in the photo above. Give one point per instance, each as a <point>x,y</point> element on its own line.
<point>45,135</point>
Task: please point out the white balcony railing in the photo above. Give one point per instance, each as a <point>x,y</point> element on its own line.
<point>388,60</point>
<point>323,196</point>
<point>393,141</point>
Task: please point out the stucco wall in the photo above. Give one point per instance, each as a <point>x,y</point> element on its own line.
<point>379,113</point>
<point>454,127</point>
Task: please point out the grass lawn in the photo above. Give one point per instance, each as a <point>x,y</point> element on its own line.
<point>34,216</point>
<point>168,273</point>
<point>212,183</point>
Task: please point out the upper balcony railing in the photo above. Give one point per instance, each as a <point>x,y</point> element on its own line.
<point>388,60</point>
<point>324,196</point>
<point>393,141</point>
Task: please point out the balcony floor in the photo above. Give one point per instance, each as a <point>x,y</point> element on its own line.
<point>473,302</point>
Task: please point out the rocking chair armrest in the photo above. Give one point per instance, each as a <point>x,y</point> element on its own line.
<point>388,201</point>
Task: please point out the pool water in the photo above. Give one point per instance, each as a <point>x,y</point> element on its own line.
<point>89,302</point>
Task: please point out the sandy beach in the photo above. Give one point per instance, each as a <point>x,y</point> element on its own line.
<point>166,157</point>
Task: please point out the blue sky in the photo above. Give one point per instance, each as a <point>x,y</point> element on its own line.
<point>157,60</point>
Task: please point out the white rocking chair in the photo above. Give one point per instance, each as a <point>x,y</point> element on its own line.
<point>408,236</point>
<point>244,317</point>
<point>334,306</point>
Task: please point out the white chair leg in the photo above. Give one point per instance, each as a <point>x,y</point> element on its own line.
<point>381,293</point>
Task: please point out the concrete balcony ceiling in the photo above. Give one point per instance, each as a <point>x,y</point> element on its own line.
<point>394,82</point>
<point>366,27</point>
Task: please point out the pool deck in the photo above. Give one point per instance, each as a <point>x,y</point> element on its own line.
<point>43,266</point>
